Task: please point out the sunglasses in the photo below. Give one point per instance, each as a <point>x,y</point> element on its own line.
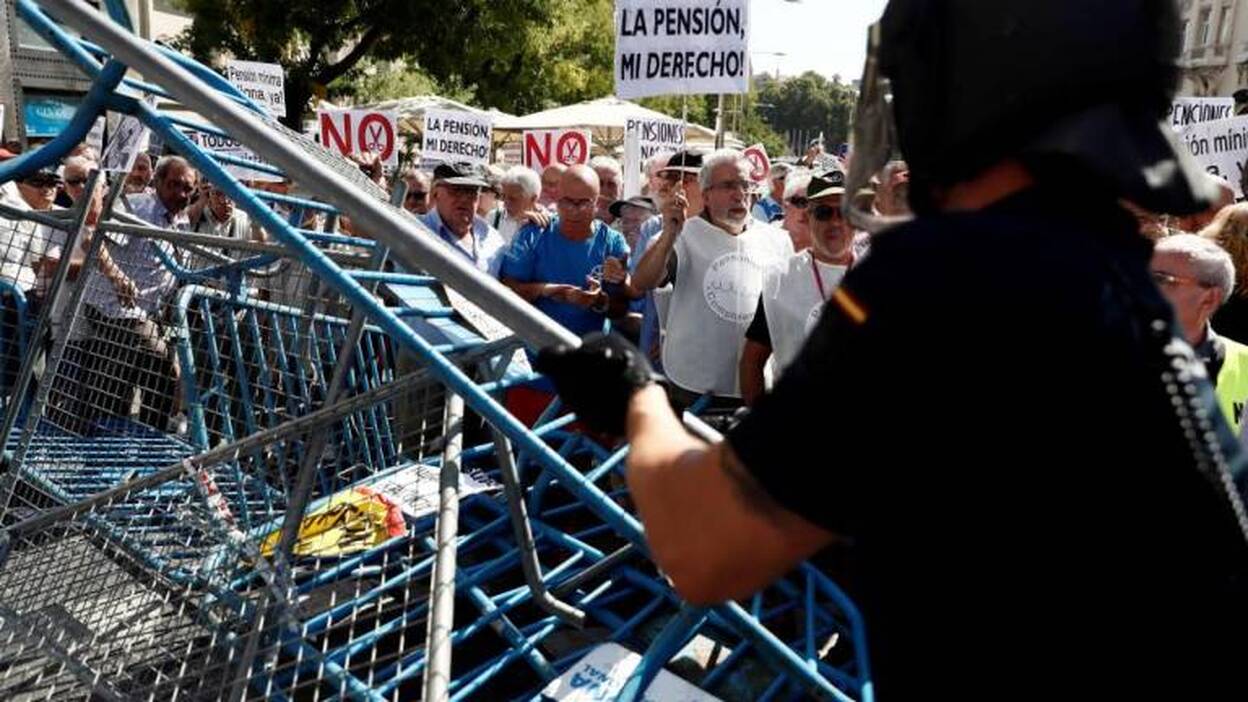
<point>416,195</point>
<point>823,213</point>
<point>42,182</point>
<point>75,182</point>
<point>798,202</point>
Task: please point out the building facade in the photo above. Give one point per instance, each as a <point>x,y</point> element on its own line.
<point>1214,49</point>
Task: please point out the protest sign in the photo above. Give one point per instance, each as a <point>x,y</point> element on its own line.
<point>681,47</point>
<point>1220,147</point>
<point>644,138</point>
<point>264,83</point>
<point>603,672</point>
<point>632,164</point>
<point>217,144</point>
<point>1185,111</point>
<point>760,164</point>
<point>547,146</point>
<point>355,131</point>
<point>95,137</point>
<point>125,145</point>
<point>655,135</point>
<point>452,136</point>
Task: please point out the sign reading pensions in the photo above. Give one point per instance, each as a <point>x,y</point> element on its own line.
<point>681,47</point>
<point>1185,111</point>
<point>454,137</point>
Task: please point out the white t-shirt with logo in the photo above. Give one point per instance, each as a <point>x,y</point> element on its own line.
<point>719,278</point>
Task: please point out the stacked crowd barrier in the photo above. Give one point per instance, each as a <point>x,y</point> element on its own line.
<point>162,481</point>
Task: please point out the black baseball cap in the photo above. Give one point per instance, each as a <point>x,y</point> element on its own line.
<point>617,208</point>
<point>684,161</point>
<point>43,178</point>
<point>464,174</point>
<point>825,184</point>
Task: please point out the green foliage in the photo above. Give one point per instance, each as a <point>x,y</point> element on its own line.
<point>516,55</point>
<point>807,102</point>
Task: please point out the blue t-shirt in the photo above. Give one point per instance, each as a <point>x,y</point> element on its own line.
<point>768,210</point>
<point>545,255</point>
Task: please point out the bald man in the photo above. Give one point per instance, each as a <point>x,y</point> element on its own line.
<point>552,176</point>
<point>561,268</point>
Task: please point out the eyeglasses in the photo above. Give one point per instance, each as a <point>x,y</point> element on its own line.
<point>578,204</point>
<point>823,213</point>
<point>75,182</point>
<point>677,176</point>
<point>798,202</point>
<point>416,195</point>
<point>1170,280</point>
<point>742,185</point>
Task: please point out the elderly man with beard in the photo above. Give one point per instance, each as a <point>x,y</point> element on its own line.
<point>716,261</point>
<point>794,296</point>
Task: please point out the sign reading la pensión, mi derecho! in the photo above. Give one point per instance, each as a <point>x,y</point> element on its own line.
<point>681,47</point>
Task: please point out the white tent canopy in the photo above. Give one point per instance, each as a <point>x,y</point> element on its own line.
<point>411,110</point>
<point>606,117</point>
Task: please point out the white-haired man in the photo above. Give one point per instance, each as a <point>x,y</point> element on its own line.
<point>521,187</point>
<point>717,261</point>
<point>610,179</point>
<point>1197,276</point>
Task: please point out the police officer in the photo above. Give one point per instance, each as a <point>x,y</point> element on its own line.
<point>996,411</point>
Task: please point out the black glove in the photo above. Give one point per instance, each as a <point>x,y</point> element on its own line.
<point>598,379</point>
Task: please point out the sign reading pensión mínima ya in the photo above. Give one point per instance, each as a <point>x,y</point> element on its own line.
<point>264,83</point>
<point>1220,147</point>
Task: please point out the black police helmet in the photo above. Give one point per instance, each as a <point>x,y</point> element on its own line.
<point>1081,81</point>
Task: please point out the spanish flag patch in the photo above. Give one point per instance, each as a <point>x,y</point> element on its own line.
<point>849,305</point>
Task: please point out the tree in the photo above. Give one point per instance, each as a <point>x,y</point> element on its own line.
<point>808,104</point>
<point>516,55</point>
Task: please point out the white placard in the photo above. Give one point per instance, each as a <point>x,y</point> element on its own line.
<point>216,144</point>
<point>1186,111</point>
<point>567,146</point>
<point>126,143</point>
<point>655,135</point>
<point>1220,147</point>
<point>355,131</point>
<point>760,163</point>
<point>601,675</point>
<point>632,164</point>
<point>264,83</point>
<point>416,489</point>
<point>457,137</point>
<point>95,137</point>
<point>681,47</point>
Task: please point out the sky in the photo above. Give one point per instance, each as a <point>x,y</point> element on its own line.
<point>827,36</point>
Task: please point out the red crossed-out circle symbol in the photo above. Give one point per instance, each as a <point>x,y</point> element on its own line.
<point>572,148</point>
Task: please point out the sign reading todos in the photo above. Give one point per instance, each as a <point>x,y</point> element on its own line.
<point>264,83</point>
<point>354,131</point>
<point>566,146</point>
<point>682,47</point>
<point>454,137</point>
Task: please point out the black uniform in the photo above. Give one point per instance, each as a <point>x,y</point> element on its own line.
<point>983,413</point>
